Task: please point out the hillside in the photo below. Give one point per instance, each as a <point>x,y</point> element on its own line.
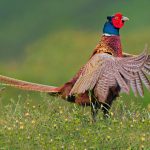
<point>25,22</point>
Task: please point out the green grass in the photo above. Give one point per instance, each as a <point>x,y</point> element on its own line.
<point>48,41</point>
<point>56,124</point>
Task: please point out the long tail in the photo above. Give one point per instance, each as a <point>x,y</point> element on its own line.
<point>27,85</point>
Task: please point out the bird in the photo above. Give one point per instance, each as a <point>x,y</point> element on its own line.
<point>108,72</point>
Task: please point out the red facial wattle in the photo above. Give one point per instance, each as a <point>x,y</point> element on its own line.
<point>117,21</point>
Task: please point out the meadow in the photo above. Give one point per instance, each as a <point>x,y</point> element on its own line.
<point>47,42</point>
<point>56,124</point>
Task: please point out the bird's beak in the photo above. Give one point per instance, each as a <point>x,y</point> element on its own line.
<point>125,18</point>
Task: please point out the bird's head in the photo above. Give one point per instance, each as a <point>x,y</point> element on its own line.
<point>114,23</point>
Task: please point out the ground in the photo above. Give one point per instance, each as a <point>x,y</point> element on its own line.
<point>56,124</point>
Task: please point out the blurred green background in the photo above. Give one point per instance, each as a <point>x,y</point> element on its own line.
<point>48,41</point>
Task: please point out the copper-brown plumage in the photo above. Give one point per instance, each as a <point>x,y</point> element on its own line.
<point>27,85</point>
<point>108,72</point>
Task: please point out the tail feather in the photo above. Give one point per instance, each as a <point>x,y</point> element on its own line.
<point>27,85</point>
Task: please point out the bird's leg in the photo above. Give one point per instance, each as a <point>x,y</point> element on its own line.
<point>94,111</point>
<point>105,108</point>
<point>94,106</point>
<point>113,94</point>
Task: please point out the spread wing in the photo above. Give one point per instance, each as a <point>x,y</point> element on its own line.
<point>89,75</point>
<point>104,71</point>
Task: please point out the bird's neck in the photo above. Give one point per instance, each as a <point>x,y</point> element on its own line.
<point>114,43</point>
<point>110,29</point>
<point>109,44</point>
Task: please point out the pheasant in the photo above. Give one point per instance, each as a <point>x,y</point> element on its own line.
<point>108,72</point>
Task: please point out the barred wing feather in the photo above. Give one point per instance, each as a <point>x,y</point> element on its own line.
<point>89,75</point>
<point>104,71</point>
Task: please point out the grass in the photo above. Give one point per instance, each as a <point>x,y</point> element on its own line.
<point>56,124</point>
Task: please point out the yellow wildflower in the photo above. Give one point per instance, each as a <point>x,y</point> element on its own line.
<point>66,119</point>
<point>131,125</point>
<point>21,127</point>
<point>20,123</point>
<point>61,112</point>
<point>142,139</point>
<point>33,121</point>
<point>9,128</point>
<point>109,128</point>
<point>26,114</point>
<point>33,106</point>
<point>108,137</point>
<point>142,146</point>
<point>111,113</point>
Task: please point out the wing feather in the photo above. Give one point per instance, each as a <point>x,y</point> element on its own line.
<point>139,85</point>
<point>121,82</point>
<point>144,79</point>
<point>102,89</point>
<point>134,87</point>
<point>89,75</point>
<point>104,71</point>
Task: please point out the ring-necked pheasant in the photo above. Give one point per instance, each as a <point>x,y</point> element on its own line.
<point>108,72</point>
